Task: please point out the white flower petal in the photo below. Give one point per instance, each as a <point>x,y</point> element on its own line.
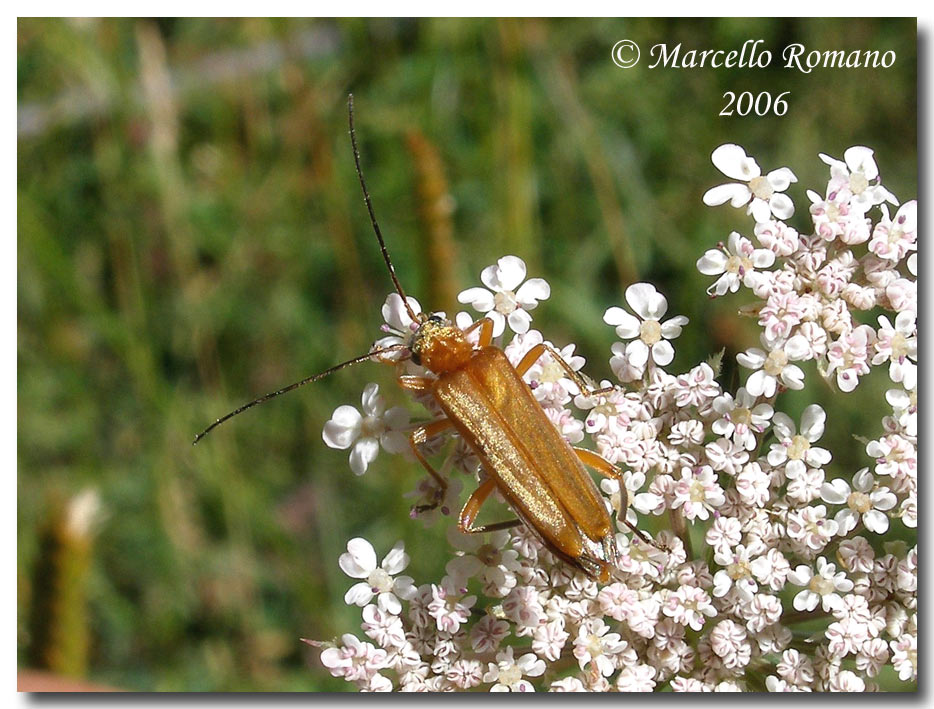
<point>637,352</point>
<point>760,383</point>
<point>812,422</point>
<point>752,358</point>
<point>480,298</point>
<point>732,161</point>
<point>360,559</point>
<point>373,403</point>
<point>846,519</point>
<point>671,328</point>
<point>532,291</point>
<point>343,428</point>
<point>760,210</point>
<point>507,274</point>
<point>364,452</point>
<point>396,560</point>
<point>763,258</point>
<point>781,178</point>
<point>876,521</point>
<point>359,594</point>
<point>883,500</point>
<point>797,348</point>
<point>835,492</point>
<point>806,600</point>
<point>817,457</point>
<point>781,206</point>
<point>646,301</point>
<point>388,603</point>
<point>663,353</point>
<point>801,575</point>
<point>395,313</point>
<point>499,322</point>
<point>519,321</point>
<point>712,263</point>
<point>736,194</point>
<point>859,159</point>
<point>627,325</point>
<point>792,377</point>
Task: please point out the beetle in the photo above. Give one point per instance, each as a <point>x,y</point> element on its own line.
<point>485,400</point>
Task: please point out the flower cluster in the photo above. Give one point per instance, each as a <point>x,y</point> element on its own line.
<point>761,531</point>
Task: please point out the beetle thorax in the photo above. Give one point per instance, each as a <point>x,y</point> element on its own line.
<point>440,347</point>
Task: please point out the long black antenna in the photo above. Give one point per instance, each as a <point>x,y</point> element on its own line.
<point>296,385</point>
<point>369,207</point>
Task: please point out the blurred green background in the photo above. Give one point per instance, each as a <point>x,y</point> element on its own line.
<point>191,235</point>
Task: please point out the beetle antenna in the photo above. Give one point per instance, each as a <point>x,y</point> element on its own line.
<point>296,385</point>
<point>369,208</point>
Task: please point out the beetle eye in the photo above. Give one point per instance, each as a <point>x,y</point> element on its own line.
<point>416,358</point>
<point>437,320</point>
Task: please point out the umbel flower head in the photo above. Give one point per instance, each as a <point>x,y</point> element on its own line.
<point>770,564</point>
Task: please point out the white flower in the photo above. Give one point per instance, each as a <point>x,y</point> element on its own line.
<point>507,672</point>
<point>651,336</point>
<point>366,432</point>
<point>596,646</point>
<point>485,559</point>
<point>762,193</point>
<point>737,262</point>
<point>398,323</point>
<point>853,179</point>
<point>774,366</point>
<point>698,493</point>
<point>742,419</point>
<point>795,449</point>
<point>899,345</point>
<point>506,301</point>
<point>862,501</point>
<point>359,562</point>
<point>892,239</point>
<point>821,587</point>
<point>905,656</point>
<point>737,571</point>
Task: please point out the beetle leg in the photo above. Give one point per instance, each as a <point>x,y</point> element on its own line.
<point>472,508</point>
<point>486,331</point>
<point>533,355</point>
<point>608,470</point>
<point>411,382</point>
<point>419,436</point>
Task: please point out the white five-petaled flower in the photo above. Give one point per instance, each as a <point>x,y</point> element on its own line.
<point>596,646</point>
<point>697,493</point>
<point>367,431</point>
<point>508,672</point>
<point>649,336</point>
<point>774,366</point>
<point>741,418</point>
<point>507,301</point>
<point>359,562</point>
<point>864,501</point>
<point>737,262</point>
<point>824,587</point>
<point>855,179</point>
<point>893,238</point>
<point>899,345</point>
<point>763,193</point>
<point>486,558</point>
<point>795,450</point>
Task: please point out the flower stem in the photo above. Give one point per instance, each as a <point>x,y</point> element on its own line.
<point>679,527</point>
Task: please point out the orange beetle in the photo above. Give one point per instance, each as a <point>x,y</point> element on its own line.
<point>486,401</point>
